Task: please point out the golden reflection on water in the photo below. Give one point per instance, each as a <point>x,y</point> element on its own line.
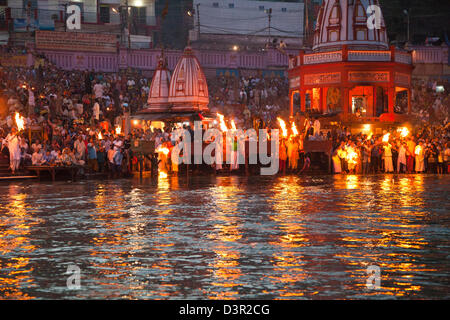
<point>287,263</point>
<point>225,267</point>
<point>16,226</point>
<point>345,224</point>
<point>109,250</point>
<point>163,240</point>
<point>395,224</point>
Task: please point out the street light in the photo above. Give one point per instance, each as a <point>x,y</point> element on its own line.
<point>406,12</point>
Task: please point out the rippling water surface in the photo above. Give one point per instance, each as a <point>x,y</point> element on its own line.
<point>227,237</point>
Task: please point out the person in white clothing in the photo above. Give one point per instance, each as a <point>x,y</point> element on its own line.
<point>79,148</point>
<point>98,90</point>
<point>316,127</point>
<point>96,111</point>
<point>13,142</point>
<point>37,158</point>
<point>401,162</point>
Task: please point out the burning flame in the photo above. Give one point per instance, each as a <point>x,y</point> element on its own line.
<point>294,129</point>
<point>386,137</point>
<point>162,149</point>
<point>223,126</point>
<point>351,156</point>
<point>283,127</point>
<point>118,130</point>
<point>418,150</point>
<point>370,136</point>
<point>404,132</point>
<point>20,121</point>
<point>100,137</point>
<point>233,126</point>
<point>162,174</point>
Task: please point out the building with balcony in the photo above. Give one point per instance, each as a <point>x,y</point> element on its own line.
<point>118,17</point>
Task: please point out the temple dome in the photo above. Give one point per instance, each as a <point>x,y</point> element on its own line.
<point>158,97</point>
<point>344,22</point>
<point>188,88</point>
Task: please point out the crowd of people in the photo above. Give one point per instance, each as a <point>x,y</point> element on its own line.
<point>430,104</point>
<point>425,150</point>
<point>250,99</point>
<point>75,115</point>
<point>79,118</point>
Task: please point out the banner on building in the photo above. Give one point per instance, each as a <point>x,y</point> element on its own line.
<point>273,74</point>
<point>76,41</point>
<point>24,25</point>
<point>14,60</point>
<point>227,72</point>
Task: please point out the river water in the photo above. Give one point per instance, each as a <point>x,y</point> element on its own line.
<point>227,238</point>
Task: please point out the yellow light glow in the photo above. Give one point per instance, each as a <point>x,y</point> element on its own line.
<point>294,129</point>
<point>162,174</point>
<point>386,137</point>
<point>223,126</point>
<point>100,137</point>
<point>233,126</point>
<point>367,128</point>
<point>20,121</point>
<point>352,156</point>
<point>283,127</point>
<point>418,150</point>
<point>164,150</point>
<point>404,132</point>
<point>118,130</point>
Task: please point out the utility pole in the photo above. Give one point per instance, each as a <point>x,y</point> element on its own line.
<point>128,24</point>
<point>269,14</point>
<point>198,21</point>
<point>306,31</point>
<point>65,16</point>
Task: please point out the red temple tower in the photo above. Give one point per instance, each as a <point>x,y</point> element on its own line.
<point>351,70</point>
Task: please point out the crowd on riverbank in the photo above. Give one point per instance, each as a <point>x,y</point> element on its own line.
<point>425,150</point>
<point>80,115</point>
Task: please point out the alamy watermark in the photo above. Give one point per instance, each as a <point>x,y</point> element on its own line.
<point>374,17</point>
<point>74,280</point>
<point>374,277</point>
<point>235,147</point>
